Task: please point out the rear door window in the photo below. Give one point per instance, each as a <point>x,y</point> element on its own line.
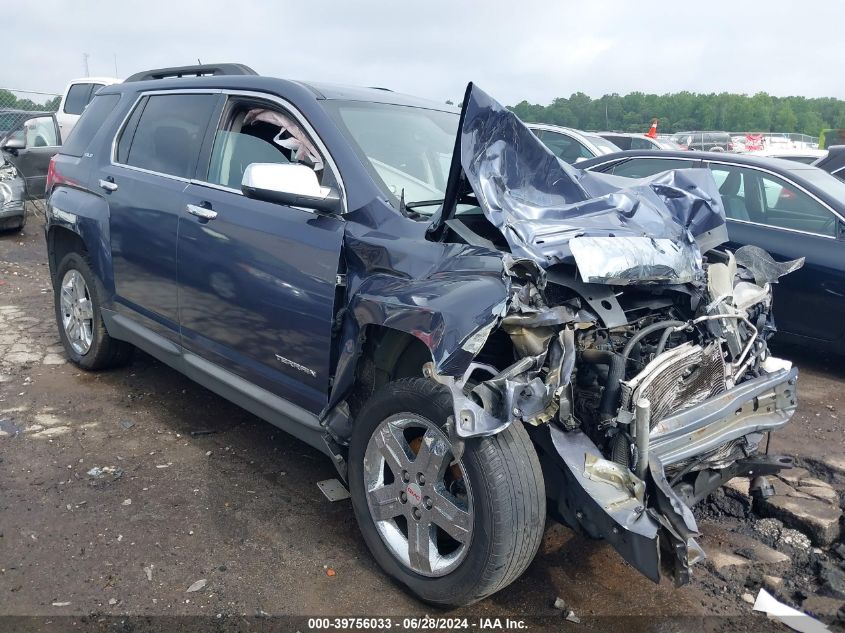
<point>564,147</point>
<point>641,143</point>
<point>77,98</point>
<point>622,142</point>
<point>168,134</point>
<point>41,132</point>
<point>642,167</point>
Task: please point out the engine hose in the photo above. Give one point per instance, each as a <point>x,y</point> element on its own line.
<point>654,327</point>
<point>664,339</point>
<point>615,373</point>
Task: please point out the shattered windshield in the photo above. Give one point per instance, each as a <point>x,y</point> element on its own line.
<point>409,148</point>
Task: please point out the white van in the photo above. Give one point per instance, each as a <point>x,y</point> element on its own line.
<point>74,99</point>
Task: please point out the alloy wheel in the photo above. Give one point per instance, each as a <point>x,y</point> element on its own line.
<point>77,312</point>
<point>418,495</point>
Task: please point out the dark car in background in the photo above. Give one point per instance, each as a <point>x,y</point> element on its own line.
<point>791,210</point>
<point>704,141</point>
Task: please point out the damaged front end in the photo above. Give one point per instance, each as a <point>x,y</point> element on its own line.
<point>639,349</point>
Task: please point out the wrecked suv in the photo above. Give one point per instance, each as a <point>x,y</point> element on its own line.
<point>476,333</point>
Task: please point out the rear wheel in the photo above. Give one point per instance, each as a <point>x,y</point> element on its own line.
<point>453,531</point>
<point>77,293</point>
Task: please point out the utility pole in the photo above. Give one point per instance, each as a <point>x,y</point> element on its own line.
<point>85,57</point>
<point>115,64</point>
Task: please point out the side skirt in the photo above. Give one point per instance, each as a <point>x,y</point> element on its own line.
<point>268,406</point>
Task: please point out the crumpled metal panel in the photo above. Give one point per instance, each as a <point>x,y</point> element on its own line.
<point>540,203</point>
<point>626,260</point>
<point>449,296</point>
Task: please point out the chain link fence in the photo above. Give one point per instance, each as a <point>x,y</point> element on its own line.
<point>16,105</point>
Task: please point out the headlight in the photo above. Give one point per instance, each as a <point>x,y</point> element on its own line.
<point>6,192</point>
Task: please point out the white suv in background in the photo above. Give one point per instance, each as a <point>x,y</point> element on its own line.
<point>75,97</point>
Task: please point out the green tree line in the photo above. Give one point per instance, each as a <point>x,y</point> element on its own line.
<point>689,111</point>
<point>8,99</point>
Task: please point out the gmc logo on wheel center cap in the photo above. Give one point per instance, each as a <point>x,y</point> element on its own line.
<point>414,494</point>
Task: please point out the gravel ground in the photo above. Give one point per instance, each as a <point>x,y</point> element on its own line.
<point>239,507</point>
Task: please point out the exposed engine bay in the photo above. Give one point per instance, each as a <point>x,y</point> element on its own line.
<point>640,348</point>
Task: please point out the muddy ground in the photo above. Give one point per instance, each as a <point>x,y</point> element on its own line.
<point>239,507</point>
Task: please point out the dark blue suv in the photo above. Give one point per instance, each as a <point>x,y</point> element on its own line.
<point>474,332</point>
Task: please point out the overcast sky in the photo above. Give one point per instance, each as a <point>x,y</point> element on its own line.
<point>514,50</point>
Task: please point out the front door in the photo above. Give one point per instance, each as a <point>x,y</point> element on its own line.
<point>767,211</point>
<point>40,137</point>
<point>257,281</point>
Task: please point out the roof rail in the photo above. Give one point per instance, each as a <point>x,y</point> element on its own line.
<point>200,70</point>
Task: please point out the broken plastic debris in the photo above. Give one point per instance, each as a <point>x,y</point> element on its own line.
<point>197,585</point>
<point>61,604</point>
<point>763,266</point>
<point>126,502</point>
<point>571,617</point>
<point>559,604</point>
<point>98,472</point>
<point>330,572</point>
<point>149,572</point>
<point>792,618</point>
<point>127,424</point>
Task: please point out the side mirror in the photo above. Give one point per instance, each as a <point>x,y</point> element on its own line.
<point>289,184</point>
<point>13,144</point>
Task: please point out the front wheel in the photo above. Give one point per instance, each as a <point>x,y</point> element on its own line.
<point>453,531</point>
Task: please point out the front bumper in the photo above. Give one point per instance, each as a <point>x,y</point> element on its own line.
<point>646,520</point>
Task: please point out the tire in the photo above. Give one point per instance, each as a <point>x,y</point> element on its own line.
<point>103,351</point>
<point>505,496</point>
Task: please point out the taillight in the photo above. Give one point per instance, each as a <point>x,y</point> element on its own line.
<point>51,174</point>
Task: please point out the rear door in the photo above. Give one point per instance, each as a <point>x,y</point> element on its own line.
<point>144,182</point>
<point>41,138</point>
<point>258,281</point>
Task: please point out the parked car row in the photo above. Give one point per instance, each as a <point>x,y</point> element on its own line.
<point>392,281</point>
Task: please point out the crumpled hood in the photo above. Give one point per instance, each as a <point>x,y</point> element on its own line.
<point>617,230</point>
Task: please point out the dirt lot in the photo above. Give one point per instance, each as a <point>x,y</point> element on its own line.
<point>239,508</point>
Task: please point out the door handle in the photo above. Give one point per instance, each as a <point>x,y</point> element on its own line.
<point>201,212</point>
<point>108,185</point>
